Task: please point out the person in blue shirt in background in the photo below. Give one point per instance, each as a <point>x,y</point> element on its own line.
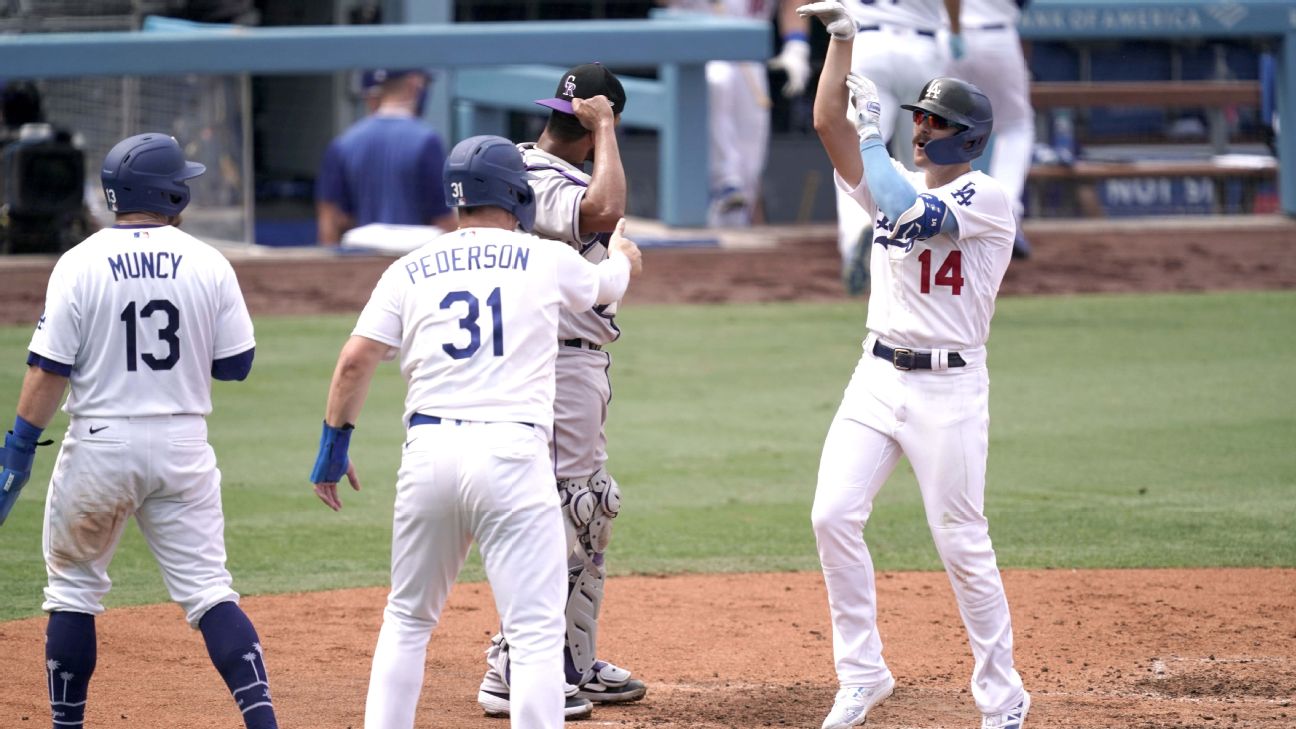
<point>387,167</point>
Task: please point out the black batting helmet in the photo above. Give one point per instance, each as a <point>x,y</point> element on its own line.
<point>960,103</point>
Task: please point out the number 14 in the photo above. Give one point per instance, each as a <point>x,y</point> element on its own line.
<point>949,274</point>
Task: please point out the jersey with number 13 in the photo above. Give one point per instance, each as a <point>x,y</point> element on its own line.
<point>139,314</point>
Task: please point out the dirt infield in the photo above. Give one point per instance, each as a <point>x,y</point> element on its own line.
<point>1144,649</point>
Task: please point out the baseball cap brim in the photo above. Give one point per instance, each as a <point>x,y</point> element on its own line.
<point>191,170</point>
<point>563,105</point>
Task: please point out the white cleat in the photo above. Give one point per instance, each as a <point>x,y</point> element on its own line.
<point>493,697</point>
<point>1014,718</point>
<point>853,703</point>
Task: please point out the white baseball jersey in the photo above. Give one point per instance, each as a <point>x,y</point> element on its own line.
<point>915,14</point>
<point>940,293</point>
<point>559,188</point>
<point>981,13</point>
<point>474,313</point>
<point>140,313</point>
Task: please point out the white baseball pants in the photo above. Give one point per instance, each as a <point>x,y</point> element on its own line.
<point>940,421</point>
<point>492,482</point>
<point>162,471</point>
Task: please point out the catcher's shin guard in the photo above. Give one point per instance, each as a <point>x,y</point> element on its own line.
<point>584,597</point>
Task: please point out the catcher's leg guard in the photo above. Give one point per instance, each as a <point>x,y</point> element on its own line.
<point>585,595</point>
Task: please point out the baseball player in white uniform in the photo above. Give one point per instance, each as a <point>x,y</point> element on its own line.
<point>921,389</point>
<point>899,48</point>
<point>738,106</point>
<point>577,209</point>
<point>138,319</point>
<point>985,50</point>
<point>474,317</point>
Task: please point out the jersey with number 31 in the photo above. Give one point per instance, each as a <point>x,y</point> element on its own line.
<point>474,314</point>
<point>139,314</point>
<point>939,293</point>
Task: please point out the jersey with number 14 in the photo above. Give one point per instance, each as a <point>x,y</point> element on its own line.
<point>939,293</point>
<point>474,314</point>
<point>139,314</point>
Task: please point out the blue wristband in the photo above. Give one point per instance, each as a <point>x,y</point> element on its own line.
<point>331,462</point>
<point>796,35</point>
<point>26,431</point>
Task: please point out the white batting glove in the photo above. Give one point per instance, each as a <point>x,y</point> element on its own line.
<point>794,60</point>
<point>834,17</point>
<point>868,108</point>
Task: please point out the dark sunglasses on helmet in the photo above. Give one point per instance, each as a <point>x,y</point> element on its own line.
<point>937,122</point>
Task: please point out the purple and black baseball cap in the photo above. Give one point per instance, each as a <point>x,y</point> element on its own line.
<point>583,82</point>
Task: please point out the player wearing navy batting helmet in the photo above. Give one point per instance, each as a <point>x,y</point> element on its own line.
<point>139,319</point>
<point>943,240</point>
<point>473,315</point>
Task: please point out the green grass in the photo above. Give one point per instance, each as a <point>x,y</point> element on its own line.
<point>1126,431</point>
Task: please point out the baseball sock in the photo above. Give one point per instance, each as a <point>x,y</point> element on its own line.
<point>70,654</point>
<point>235,650</point>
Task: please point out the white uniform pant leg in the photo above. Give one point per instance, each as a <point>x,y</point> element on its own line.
<point>519,529</point>
<point>946,437</point>
<point>724,98</point>
<point>995,64</point>
<point>430,539</point>
<point>97,483</point>
<point>857,459</point>
<point>181,518</point>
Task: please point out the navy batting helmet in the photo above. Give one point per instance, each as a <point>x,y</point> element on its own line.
<point>147,172</point>
<point>960,103</point>
<point>488,170</point>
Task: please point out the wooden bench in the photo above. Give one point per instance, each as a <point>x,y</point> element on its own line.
<point>1081,178</point>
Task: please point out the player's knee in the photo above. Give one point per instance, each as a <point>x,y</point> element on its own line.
<point>197,604</point>
<point>832,523</point>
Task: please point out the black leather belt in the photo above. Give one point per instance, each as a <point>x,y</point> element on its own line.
<point>992,26</point>
<point>907,359</point>
<point>580,344</point>
<point>927,33</point>
<point>421,419</point>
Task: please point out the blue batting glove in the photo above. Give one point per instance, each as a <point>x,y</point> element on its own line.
<point>16,459</point>
<point>332,461</point>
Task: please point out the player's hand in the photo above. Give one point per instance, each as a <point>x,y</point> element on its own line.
<point>627,248</point>
<point>328,493</point>
<point>593,112</point>
<point>867,106</point>
<point>794,60</point>
<point>834,17</point>
<point>956,46</point>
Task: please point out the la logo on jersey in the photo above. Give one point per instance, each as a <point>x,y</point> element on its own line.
<point>964,194</point>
